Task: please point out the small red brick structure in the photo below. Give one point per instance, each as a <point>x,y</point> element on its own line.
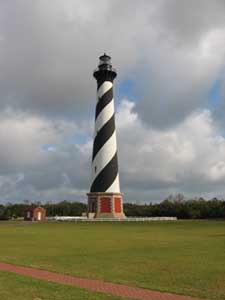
<point>34,213</point>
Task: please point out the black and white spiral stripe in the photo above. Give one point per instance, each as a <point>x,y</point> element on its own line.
<point>105,177</point>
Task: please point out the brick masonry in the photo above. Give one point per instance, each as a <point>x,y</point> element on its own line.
<point>106,205</point>
<point>35,214</point>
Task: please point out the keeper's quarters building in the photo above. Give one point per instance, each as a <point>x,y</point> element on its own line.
<point>34,213</point>
<point>105,199</point>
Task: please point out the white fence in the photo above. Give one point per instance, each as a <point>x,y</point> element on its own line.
<point>130,219</point>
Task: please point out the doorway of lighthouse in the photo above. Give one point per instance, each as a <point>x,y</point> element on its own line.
<point>92,205</point>
<point>93,208</point>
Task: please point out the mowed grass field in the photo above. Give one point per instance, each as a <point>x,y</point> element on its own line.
<point>185,257</point>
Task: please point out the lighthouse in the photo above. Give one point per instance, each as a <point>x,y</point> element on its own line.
<point>104,198</point>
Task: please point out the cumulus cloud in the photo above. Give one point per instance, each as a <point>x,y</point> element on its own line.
<point>172,51</point>
<point>189,158</point>
<point>41,158</point>
<point>152,163</point>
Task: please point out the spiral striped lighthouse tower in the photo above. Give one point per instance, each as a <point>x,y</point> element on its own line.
<point>105,199</point>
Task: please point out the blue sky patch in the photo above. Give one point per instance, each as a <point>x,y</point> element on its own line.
<point>125,89</point>
<point>215,94</point>
<point>78,139</point>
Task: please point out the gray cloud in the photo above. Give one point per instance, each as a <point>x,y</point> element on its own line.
<point>48,53</point>
<point>186,22</point>
<point>172,50</point>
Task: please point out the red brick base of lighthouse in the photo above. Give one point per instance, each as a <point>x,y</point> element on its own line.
<point>105,205</point>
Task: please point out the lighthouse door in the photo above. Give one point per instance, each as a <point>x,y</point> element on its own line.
<point>93,206</point>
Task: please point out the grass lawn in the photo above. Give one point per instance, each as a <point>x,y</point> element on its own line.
<point>186,257</point>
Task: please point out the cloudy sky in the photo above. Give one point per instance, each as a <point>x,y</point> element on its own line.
<point>169,93</point>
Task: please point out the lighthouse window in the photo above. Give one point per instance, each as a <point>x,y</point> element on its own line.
<point>95,169</point>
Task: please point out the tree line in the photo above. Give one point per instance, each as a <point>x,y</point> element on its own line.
<point>173,206</point>
<point>63,208</point>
